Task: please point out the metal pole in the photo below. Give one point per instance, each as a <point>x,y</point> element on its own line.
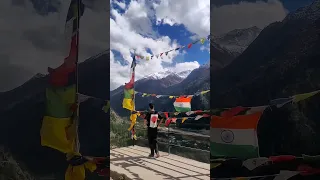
<point>134,104</point>
<point>77,143</point>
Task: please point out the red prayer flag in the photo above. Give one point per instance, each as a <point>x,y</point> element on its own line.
<point>104,172</point>
<point>206,115</point>
<point>189,45</point>
<point>168,121</point>
<point>306,170</point>
<point>282,158</point>
<point>166,114</point>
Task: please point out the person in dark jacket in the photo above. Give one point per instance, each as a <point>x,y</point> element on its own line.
<point>151,121</point>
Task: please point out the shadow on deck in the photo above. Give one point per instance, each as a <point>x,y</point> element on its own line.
<point>133,162</point>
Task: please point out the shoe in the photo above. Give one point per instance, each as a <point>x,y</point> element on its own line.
<point>158,155</point>
<point>151,155</point>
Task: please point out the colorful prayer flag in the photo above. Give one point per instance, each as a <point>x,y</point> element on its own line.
<point>280,102</point>
<point>282,158</point>
<point>182,104</point>
<point>128,100</point>
<point>198,117</point>
<point>300,97</point>
<point>183,119</point>
<point>54,133</point>
<point>234,136</point>
<point>285,175</point>
<point>59,101</point>
<point>58,130</point>
<point>253,163</point>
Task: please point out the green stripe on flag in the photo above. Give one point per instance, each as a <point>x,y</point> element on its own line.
<point>182,109</point>
<point>59,101</point>
<point>128,93</point>
<point>229,150</point>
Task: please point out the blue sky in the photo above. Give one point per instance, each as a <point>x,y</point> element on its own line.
<point>182,35</point>
<point>163,24</point>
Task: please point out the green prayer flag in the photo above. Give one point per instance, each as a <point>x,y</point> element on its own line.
<point>300,97</point>
<point>59,101</point>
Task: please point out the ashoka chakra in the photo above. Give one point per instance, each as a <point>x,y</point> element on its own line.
<point>227,136</point>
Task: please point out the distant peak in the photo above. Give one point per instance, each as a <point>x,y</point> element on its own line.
<point>235,31</point>
<point>309,12</point>
<point>164,74</point>
<point>38,75</point>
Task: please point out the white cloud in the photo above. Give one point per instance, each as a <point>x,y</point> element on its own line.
<point>246,14</point>
<point>179,67</point>
<point>35,42</point>
<point>132,31</point>
<point>193,14</point>
<point>122,5</point>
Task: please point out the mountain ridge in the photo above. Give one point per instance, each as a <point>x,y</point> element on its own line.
<point>282,61</point>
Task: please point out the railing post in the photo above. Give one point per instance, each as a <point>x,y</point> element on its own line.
<point>168,135</point>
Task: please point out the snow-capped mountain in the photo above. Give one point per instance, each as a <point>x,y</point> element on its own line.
<point>164,74</point>
<point>236,41</point>
<point>228,46</point>
<point>168,82</point>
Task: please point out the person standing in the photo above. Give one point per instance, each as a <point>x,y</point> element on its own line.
<point>151,121</point>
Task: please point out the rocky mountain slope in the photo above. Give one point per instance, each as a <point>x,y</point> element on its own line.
<point>10,169</point>
<point>225,48</point>
<point>282,61</point>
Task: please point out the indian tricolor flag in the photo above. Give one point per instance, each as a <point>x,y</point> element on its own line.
<point>182,104</point>
<point>235,136</point>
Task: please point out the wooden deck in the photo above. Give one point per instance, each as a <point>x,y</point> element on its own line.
<point>134,162</point>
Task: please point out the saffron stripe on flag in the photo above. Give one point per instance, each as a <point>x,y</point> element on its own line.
<point>183,100</point>
<point>249,121</point>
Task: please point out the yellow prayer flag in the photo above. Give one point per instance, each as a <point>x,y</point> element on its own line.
<point>134,137</point>
<point>176,113</point>
<point>128,104</point>
<point>54,134</point>
<point>183,119</point>
<point>202,40</point>
<point>300,97</point>
<point>133,118</point>
<point>171,97</point>
<point>214,165</point>
<point>78,172</point>
<point>147,58</point>
<point>203,92</point>
<point>144,94</point>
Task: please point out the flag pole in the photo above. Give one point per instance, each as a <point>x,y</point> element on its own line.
<point>77,143</point>
<point>134,99</point>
